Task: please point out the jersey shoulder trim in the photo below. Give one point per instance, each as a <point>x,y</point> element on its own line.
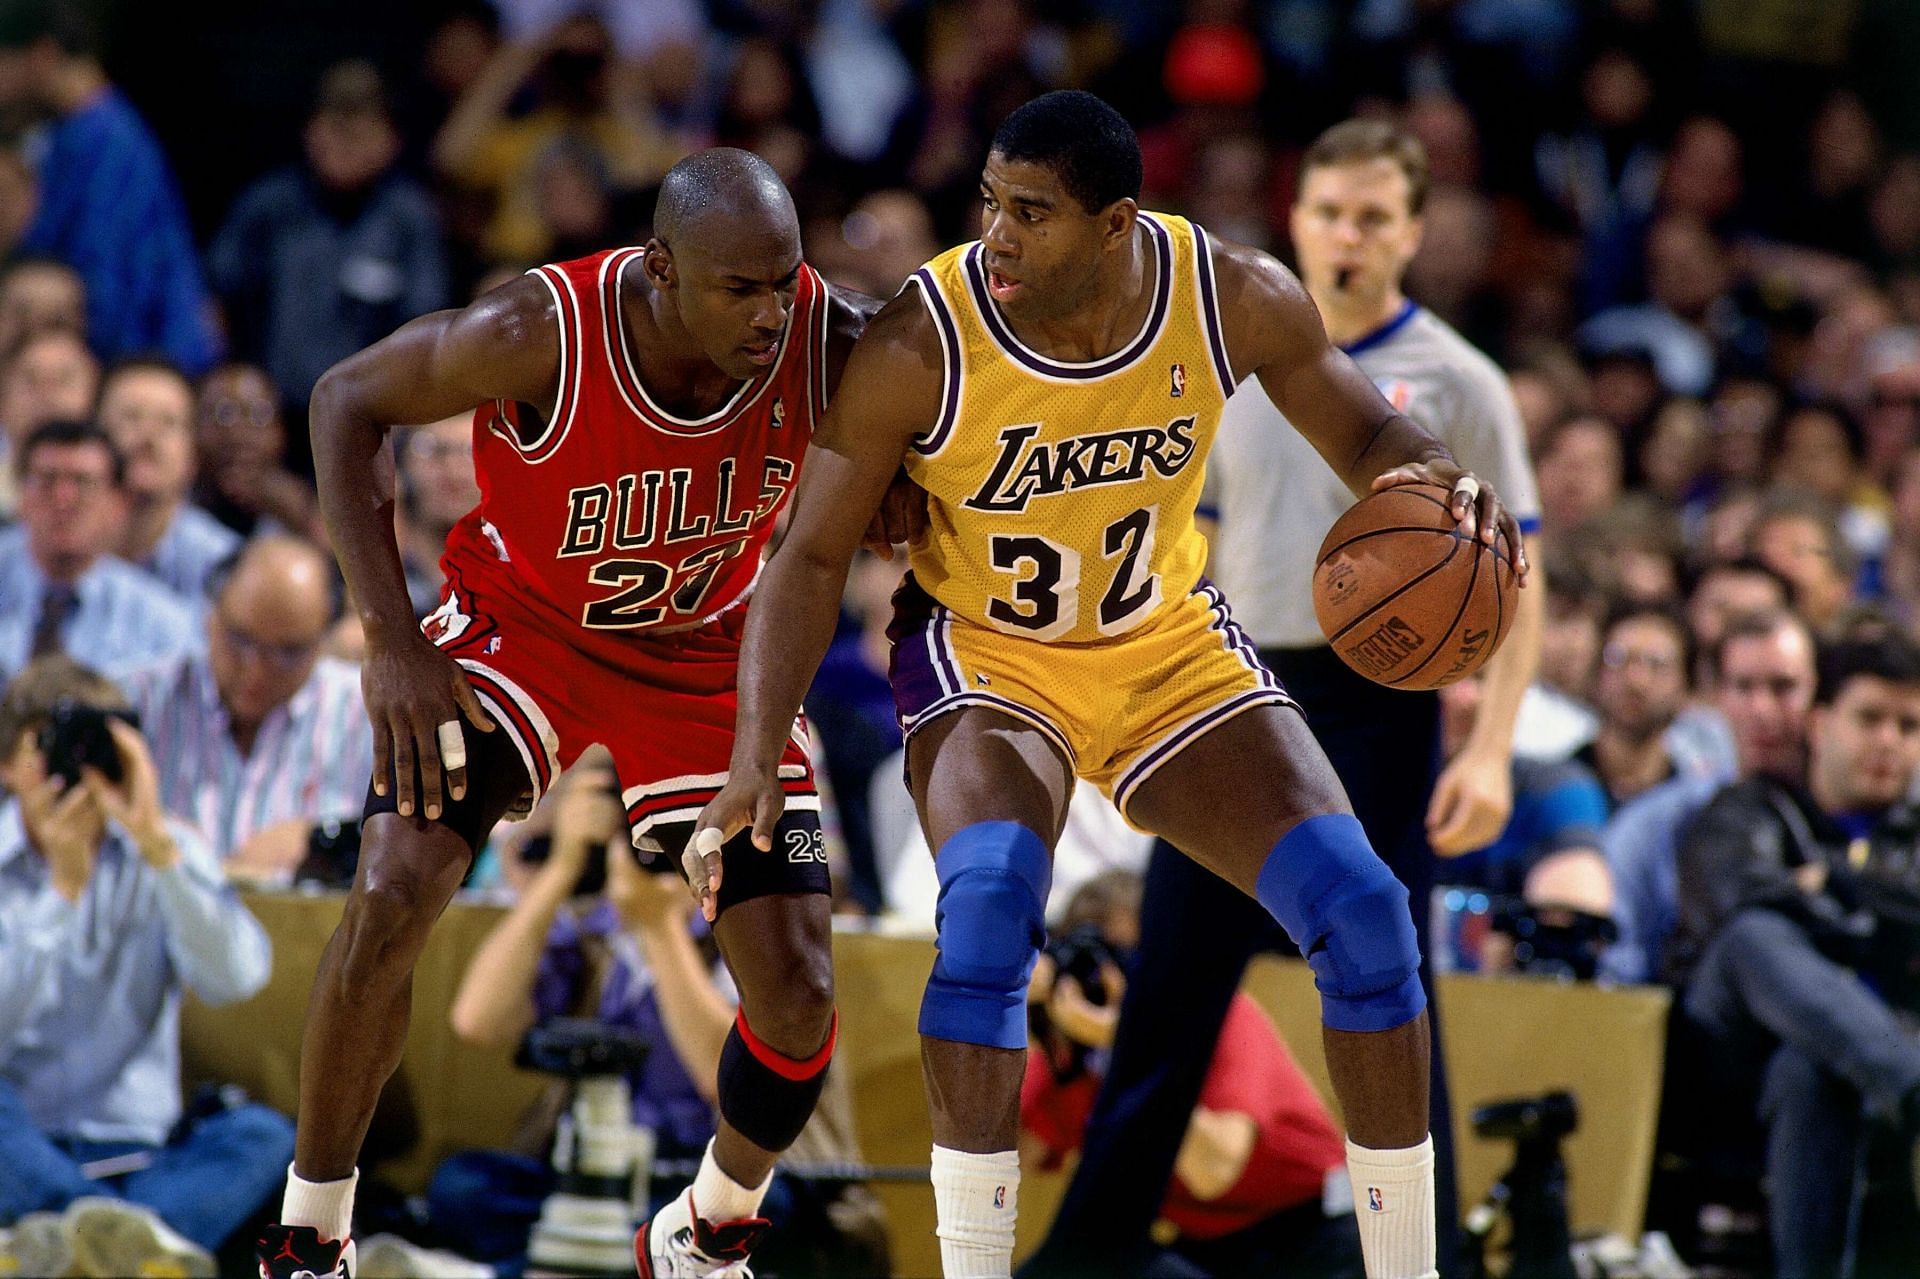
<point>1210,309</point>
<point>940,306</point>
<point>567,314</point>
<point>1002,335</point>
<point>626,377</point>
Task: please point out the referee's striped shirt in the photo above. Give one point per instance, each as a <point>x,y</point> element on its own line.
<point>311,759</point>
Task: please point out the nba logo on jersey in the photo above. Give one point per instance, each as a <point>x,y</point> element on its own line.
<point>1178,376</point>
<point>779,412</point>
<point>1398,393</point>
<point>1376,1200</point>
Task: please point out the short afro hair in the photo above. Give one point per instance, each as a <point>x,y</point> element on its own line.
<point>1089,146</point>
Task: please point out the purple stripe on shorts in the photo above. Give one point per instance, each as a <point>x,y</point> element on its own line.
<point>918,681</point>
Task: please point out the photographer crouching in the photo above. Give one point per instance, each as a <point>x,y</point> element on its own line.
<point>1259,1184</point>
<point>595,934</point>
<point>108,909</point>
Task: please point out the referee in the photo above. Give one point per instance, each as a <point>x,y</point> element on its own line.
<point>1356,226</point>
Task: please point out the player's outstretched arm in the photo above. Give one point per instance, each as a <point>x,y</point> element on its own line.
<point>889,393</point>
<point>505,346</point>
<point>1273,330</point>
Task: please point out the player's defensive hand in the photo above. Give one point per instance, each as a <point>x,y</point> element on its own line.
<point>746,798</point>
<point>901,519</point>
<point>1475,505</point>
<point>416,697</point>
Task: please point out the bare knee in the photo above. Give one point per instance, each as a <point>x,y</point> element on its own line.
<point>793,1015</point>
<point>392,908</point>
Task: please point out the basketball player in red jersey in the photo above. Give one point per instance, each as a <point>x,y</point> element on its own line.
<point>642,416</point>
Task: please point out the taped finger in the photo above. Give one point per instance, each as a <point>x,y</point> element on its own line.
<point>453,746</point>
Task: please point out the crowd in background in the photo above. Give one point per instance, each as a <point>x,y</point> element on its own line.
<point>1690,232</point>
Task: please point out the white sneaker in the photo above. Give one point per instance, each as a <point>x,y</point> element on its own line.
<point>112,1237</point>
<point>38,1244</point>
<point>679,1244</point>
<point>391,1257</point>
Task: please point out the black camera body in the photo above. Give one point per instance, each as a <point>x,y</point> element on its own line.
<point>581,1048</point>
<point>1081,955</point>
<point>1554,941</point>
<point>76,736</point>
<point>1548,1117</point>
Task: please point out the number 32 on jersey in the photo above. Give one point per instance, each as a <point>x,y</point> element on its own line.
<point>1044,598</point>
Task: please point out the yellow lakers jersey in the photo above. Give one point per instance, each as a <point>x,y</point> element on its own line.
<point>1061,495</point>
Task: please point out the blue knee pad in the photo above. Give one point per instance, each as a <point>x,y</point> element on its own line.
<point>1348,915</point>
<point>991,923</point>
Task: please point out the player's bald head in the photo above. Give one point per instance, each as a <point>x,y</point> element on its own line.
<point>708,198</point>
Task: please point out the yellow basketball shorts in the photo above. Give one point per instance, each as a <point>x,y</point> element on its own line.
<point>1118,709</point>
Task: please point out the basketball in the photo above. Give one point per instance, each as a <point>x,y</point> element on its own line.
<point>1404,598</point>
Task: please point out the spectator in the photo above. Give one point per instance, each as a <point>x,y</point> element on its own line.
<point>1646,653</point>
<point>326,257</point>
<point>573,80</point>
<point>1797,536</point>
<point>37,294</point>
<point>1251,1180</point>
<point>1762,677</point>
<point>110,907</point>
<point>244,479</point>
<point>146,406</point>
<point>61,591</point>
<point>1687,315</point>
<point>434,465</point>
<point>1581,469</point>
<point>259,737</point>
<point>108,205</point>
<point>19,199</point>
<point>1795,926</point>
<point>50,375</point>
<point>1722,592</point>
<point>1821,451</point>
<point>1556,716</point>
<point>638,959</point>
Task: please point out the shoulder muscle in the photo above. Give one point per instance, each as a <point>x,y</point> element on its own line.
<point>890,390</point>
<point>848,313</point>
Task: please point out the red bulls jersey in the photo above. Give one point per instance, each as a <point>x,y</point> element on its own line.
<point>615,517</point>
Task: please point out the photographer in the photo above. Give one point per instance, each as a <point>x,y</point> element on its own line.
<point>108,907</point>
<point>1799,917</point>
<point>1251,1181</point>
<point>638,958</point>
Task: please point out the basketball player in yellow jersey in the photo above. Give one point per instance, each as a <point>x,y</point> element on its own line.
<point>1054,388</point>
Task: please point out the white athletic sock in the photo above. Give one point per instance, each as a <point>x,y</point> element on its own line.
<point>1393,1198</point>
<point>976,1199</point>
<point>718,1197</point>
<point>327,1206</point>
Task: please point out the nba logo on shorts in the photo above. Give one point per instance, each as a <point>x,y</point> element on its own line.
<point>1179,381</point>
<point>999,1196</point>
<point>1375,1200</point>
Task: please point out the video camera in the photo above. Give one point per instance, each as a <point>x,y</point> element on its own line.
<point>1554,941</point>
<point>604,1162</point>
<point>1532,1194</point>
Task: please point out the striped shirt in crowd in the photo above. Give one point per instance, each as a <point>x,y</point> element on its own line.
<point>119,617</point>
<point>311,758</point>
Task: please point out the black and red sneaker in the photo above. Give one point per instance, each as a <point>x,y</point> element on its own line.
<point>298,1252</point>
<point>680,1244</point>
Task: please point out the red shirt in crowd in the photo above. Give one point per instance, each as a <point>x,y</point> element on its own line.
<point>1253,1074</point>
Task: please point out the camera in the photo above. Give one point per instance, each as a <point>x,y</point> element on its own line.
<point>1554,941</point>
<point>333,854</point>
<point>593,878</point>
<point>1533,1193</point>
<point>604,1162</point>
<point>76,736</point>
<point>1081,954</point>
